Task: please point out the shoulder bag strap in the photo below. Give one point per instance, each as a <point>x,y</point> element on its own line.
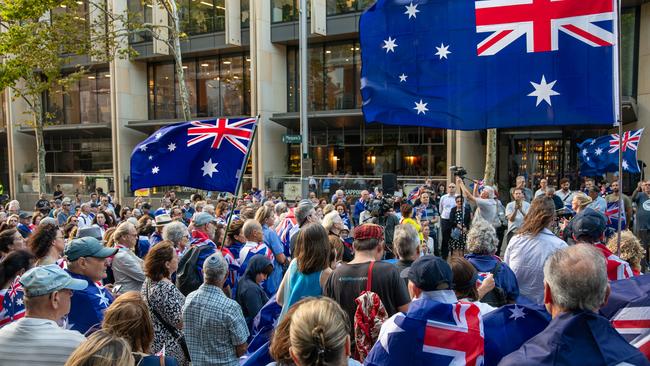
<point>369,281</point>
<point>170,328</point>
<point>496,269</point>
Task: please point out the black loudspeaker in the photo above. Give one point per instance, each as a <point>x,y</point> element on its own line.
<point>389,183</point>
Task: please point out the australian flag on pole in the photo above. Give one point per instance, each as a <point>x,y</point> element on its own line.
<point>205,155</point>
<point>600,155</point>
<point>471,65</point>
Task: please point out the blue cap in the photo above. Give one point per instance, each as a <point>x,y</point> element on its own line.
<point>87,247</point>
<point>203,218</point>
<point>44,280</point>
<point>428,272</point>
<point>589,224</point>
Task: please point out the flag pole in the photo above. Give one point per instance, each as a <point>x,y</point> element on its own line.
<point>619,119</point>
<point>242,170</point>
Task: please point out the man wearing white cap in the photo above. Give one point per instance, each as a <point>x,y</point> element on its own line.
<point>36,339</point>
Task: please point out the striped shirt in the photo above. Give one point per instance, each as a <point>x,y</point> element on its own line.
<point>35,342</point>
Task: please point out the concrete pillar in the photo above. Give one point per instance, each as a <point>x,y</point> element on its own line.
<point>470,153</point>
<point>22,147</point>
<point>268,95</point>
<point>128,103</point>
<point>643,92</point>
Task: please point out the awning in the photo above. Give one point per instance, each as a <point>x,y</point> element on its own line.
<point>81,130</point>
<point>320,120</point>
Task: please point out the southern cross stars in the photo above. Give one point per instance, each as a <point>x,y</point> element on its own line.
<point>209,168</point>
<point>171,147</point>
<point>443,51</point>
<point>143,148</point>
<point>402,78</point>
<point>598,151</point>
<point>411,10</point>
<point>155,170</point>
<point>389,45</point>
<point>421,107</point>
<point>517,313</point>
<point>543,91</point>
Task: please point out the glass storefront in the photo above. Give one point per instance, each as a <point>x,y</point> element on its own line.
<point>541,154</point>
<point>372,150</point>
<point>87,101</point>
<point>334,70</point>
<point>73,154</point>
<point>287,10</point>
<point>218,86</point>
<point>195,16</point>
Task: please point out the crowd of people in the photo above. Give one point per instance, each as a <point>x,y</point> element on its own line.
<point>186,281</point>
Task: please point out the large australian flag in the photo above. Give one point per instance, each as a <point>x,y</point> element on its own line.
<point>471,65</point>
<point>199,154</point>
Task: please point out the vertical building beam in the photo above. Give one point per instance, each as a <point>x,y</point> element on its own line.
<point>98,24</point>
<point>319,17</point>
<point>160,19</point>
<point>233,22</point>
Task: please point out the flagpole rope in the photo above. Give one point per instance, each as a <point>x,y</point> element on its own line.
<point>241,178</point>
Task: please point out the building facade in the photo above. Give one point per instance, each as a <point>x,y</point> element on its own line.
<point>95,124</point>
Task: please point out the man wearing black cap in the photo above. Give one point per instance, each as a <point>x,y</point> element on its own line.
<point>350,279</point>
<point>24,219</point>
<point>590,229</point>
<point>434,324</point>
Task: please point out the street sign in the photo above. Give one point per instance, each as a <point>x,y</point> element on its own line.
<point>291,139</point>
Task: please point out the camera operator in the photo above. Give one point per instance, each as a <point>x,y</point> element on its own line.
<point>487,205</point>
<point>381,213</point>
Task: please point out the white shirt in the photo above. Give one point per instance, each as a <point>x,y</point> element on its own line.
<point>519,218</point>
<point>540,192</point>
<point>566,197</point>
<point>84,220</point>
<point>447,202</point>
<point>526,255</point>
<point>36,341</point>
<point>487,209</point>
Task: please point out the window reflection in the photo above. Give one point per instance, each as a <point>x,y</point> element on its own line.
<point>217,87</point>
<point>140,11</point>
<point>284,10</point>
<point>316,81</point>
<point>85,101</point>
<point>339,68</point>
<point>67,154</point>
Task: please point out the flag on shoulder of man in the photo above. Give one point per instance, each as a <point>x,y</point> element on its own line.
<point>205,155</point>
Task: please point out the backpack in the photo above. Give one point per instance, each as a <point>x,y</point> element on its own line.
<point>369,316</point>
<point>188,277</point>
<point>497,297</point>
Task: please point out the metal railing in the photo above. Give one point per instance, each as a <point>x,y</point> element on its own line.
<point>70,183</point>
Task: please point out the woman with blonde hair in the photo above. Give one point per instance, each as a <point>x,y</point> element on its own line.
<point>631,250</point>
<point>102,349</point>
<point>128,317</point>
<point>266,217</point>
<point>319,334</point>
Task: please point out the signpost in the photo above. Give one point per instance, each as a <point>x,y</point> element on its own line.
<point>292,139</point>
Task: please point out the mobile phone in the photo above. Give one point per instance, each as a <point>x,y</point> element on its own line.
<point>116,288</point>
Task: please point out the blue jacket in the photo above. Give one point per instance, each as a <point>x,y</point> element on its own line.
<point>577,338</point>
<point>504,279</point>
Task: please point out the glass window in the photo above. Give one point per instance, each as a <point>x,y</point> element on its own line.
<point>357,75</point>
<point>55,105</point>
<point>220,16</point>
<point>189,68</point>
<point>103,92</point>
<point>341,6</point>
<point>88,99</point>
<point>245,13</point>
<point>629,56</point>
<point>72,112</point>
<point>184,21</point>
<point>140,11</point>
<point>339,71</point>
<point>372,134</point>
<point>163,91</point>
<point>433,136</point>
<point>247,86</point>
<point>409,135</point>
<point>284,10</point>
<point>208,88</point>
<point>74,154</point>
<point>292,80</point>
<point>232,78</point>
<point>316,80</point>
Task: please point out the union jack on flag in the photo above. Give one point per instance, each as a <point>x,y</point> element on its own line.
<point>541,21</point>
<point>237,132</point>
<point>630,141</point>
<point>633,323</point>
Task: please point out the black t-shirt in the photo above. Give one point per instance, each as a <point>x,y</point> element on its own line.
<point>58,195</point>
<point>347,282</point>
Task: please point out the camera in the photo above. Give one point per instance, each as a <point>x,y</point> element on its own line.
<point>379,206</point>
<point>458,171</point>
